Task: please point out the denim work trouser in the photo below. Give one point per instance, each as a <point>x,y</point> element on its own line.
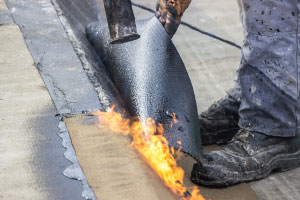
<point>268,77</point>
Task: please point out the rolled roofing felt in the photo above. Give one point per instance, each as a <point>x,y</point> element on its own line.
<point>153,81</point>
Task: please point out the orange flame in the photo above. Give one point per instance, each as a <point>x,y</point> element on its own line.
<point>154,149</point>
<point>174,118</point>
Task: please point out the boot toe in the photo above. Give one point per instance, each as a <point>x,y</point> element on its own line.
<point>215,170</point>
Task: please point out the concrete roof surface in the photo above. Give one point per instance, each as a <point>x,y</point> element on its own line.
<point>48,69</point>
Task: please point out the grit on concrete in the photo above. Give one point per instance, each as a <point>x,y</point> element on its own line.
<point>28,140</point>
<point>59,65</point>
<point>116,171</point>
<point>5,17</point>
<point>31,153</point>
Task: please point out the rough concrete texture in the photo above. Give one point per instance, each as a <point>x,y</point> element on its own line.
<point>279,186</point>
<point>59,66</point>
<point>3,6</point>
<point>210,63</point>
<point>5,17</point>
<point>113,168</point>
<point>75,16</point>
<point>31,154</point>
<point>116,171</point>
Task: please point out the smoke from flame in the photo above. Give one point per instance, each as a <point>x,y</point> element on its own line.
<point>154,149</point>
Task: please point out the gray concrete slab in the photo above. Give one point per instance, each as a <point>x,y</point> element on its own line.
<point>211,64</point>
<point>31,154</point>
<point>75,15</point>
<point>279,186</point>
<point>5,17</point>
<point>59,66</point>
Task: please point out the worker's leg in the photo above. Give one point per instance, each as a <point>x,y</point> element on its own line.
<point>269,136</point>
<point>270,70</point>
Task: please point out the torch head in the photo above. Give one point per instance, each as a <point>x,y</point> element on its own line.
<point>121,21</point>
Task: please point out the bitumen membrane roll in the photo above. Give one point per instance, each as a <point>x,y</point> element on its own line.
<point>153,81</point>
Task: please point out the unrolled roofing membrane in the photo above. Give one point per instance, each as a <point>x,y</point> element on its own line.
<point>153,81</point>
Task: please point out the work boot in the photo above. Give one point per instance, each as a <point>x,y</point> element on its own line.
<point>219,123</point>
<point>249,156</point>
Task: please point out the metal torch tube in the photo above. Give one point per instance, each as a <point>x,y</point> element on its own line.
<point>121,21</point>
